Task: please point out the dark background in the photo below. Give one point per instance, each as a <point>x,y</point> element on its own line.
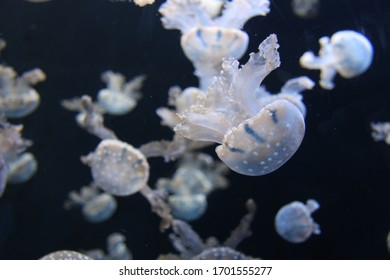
<point>338,163</point>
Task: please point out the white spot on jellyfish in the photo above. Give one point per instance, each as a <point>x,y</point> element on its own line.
<point>113,172</point>
<point>347,52</point>
<point>247,127</point>
<point>294,223</point>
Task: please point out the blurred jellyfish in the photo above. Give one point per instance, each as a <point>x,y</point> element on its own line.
<point>347,52</point>
<point>142,3</point>
<point>196,176</point>
<point>381,131</point>
<point>22,168</point>
<point>116,249</point>
<point>305,8</point>
<point>96,206</point>
<point>118,168</point>
<point>17,97</point>
<point>294,223</point>
<point>119,98</point>
<point>3,174</point>
<point>211,31</point>
<point>257,133</point>
<point>65,255</point>
<point>190,246</point>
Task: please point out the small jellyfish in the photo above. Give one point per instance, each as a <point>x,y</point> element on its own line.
<point>381,131</point>
<point>211,31</point>
<point>116,249</point>
<point>305,8</point>
<point>118,168</point>
<point>96,206</point>
<point>22,168</point>
<point>17,97</point>
<point>294,223</point>
<point>65,255</point>
<point>119,98</point>
<point>258,134</point>
<point>347,52</point>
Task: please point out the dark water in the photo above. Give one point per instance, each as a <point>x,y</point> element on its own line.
<point>338,163</point>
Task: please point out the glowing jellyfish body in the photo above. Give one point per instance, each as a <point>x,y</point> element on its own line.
<point>294,223</point>
<point>65,255</point>
<point>118,168</point>
<point>258,134</point>
<point>211,31</point>
<point>305,8</point>
<point>22,168</point>
<point>347,52</point>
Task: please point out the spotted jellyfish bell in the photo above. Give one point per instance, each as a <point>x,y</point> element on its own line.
<point>347,52</point>
<point>294,223</point>
<point>255,138</point>
<point>118,168</point>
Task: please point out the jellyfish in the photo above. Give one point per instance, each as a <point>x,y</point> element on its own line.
<point>116,249</point>
<point>22,168</point>
<point>257,134</point>
<point>294,223</point>
<point>65,255</point>
<point>119,98</point>
<point>190,246</point>
<point>118,168</point>
<point>96,206</point>
<point>381,131</point>
<point>196,177</point>
<point>305,8</point>
<point>347,52</point>
<point>207,37</point>
<point>17,97</point>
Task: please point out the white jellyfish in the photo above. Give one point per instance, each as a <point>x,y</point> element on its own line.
<point>207,37</point>
<point>96,206</point>
<point>65,255</point>
<point>347,52</point>
<point>17,97</point>
<point>119,97</point>
<point>118,168</point>
<point>22,168</point>
<point>116,249</point>
<point>381,131</point>
<point>257,133</point>
<point>305,8</point>
<point>294,223</point>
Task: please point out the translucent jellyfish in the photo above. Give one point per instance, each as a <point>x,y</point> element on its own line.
<point>17,97</point>
<point>90,116</point>
<point>257,135</point>
<point>305,8</point>
<point>22,168</point>
<point>207,37</point>
<point>196,176</point>
<point>190,246</point>
<point>96,206</point>
<point>347,52</point>
<point>116,249</point>
<point>118,168</point>
<point>119,98</point>
<point>65,255</point>
<point>294,223</point>
<point>381,131</point>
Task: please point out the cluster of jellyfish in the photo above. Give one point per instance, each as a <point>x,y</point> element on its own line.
<point>256,131</point>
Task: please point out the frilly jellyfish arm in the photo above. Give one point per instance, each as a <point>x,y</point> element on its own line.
<point>90,116</point>
<point>243,229</point>
<point>237,12</point>
<point>30,78</point>
<point>3,174</point>
<point>159,206</point>
<point>184,15</point>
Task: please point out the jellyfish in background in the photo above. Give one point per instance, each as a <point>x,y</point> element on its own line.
<point>347,52</point>
<point>211,31</point>
<point>119,98</point>
<point>196,177</point>
<point>116,249</point>
<point>381,131</point>
<point>64,255</point>
<point>294,223</point>
<point>190,246</point>
<point>96,206</point>
<point>258,133</point>
<point>305,8</point>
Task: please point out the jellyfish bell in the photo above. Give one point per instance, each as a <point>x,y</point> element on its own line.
<point>118,168</point>
<point>263,143</point>
<point>115,102</point>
